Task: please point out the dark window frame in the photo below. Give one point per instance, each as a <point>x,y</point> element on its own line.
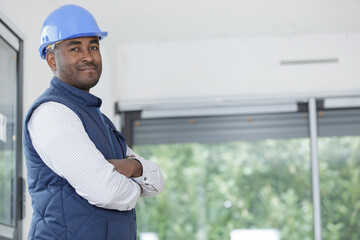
<point>18,191</point>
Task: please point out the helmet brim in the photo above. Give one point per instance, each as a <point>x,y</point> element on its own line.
<point>101,36</point>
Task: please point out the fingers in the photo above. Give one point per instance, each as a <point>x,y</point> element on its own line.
<point>125,167</point>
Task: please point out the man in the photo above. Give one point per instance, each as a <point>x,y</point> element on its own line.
<point>83,179</point>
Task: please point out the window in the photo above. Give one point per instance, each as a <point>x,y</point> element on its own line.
<point>339,169</point>
<point>213,189</point>
<point>250,175</point>
<point>10,133</point>
<point>226,173</point>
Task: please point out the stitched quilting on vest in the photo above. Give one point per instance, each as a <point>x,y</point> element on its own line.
<point>59,212</point>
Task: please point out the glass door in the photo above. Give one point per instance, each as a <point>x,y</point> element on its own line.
<point>235,177</point>
<point>339,172</point>
<point>231,190</point>
<point>269,176</point>
<point>10,133</point>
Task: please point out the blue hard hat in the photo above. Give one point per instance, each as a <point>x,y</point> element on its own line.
<point>69,21</point>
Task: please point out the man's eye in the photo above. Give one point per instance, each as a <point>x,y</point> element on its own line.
<point>94,47</point>
<point>74,49</point>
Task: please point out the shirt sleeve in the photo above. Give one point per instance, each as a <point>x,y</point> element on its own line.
<point>152,181</point>
<point>60,139</point>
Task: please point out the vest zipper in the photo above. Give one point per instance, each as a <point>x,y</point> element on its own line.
<point>108,132</point>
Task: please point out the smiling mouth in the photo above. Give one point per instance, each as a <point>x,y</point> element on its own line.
<point>86,69</point>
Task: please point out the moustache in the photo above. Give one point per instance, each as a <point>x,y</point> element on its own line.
<point>86,65</point>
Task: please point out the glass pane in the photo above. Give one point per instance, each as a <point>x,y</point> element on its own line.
<point>339,167</point>
<point>230,190</point>
<point>7,131</point>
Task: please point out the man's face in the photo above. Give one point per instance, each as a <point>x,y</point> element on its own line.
<point>77,62</point>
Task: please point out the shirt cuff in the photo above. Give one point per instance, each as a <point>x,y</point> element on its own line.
<point>145,179</point>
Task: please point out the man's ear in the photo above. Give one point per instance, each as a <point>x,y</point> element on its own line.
<point>50,58</point>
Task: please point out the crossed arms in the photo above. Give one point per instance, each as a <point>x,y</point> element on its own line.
<point>61,141</point>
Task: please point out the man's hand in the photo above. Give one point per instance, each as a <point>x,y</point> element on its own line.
<point>128,167</point>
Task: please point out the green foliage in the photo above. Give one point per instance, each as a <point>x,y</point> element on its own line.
<point>339,183</point>
<point>212,189</point>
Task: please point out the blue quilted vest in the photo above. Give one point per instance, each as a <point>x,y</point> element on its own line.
<point>59,212</point>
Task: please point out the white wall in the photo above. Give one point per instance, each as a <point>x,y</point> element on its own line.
<point>195,68</point>
<point>248,66</point>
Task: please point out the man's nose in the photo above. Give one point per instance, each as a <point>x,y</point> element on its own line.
<point>87,56</point>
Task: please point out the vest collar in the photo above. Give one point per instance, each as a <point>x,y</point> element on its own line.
<point>78,95</point>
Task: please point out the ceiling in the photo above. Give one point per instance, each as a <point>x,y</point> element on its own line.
<point>133,21</point>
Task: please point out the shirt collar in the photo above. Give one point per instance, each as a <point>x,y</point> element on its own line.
<point>78,95</point>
